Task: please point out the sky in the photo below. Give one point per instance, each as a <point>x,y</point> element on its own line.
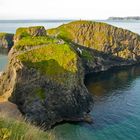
<point>68,9</point>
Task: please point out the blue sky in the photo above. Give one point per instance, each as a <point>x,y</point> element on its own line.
<point>67,9</point>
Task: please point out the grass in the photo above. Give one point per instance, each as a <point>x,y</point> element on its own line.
<point>29,41</point>
<point>87,55</point>
<point>26,31</point>
<point>22,32</point>
<point>53,60</point>
<point>11,129</point>
<point>67,31</point>
<point>3,34</point>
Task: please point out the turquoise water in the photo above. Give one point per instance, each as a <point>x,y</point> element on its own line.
<point>3,62</point>
<point>116,112</point>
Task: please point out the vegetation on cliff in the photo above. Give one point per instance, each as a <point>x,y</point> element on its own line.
<point>29,42</point>
<point>101,37</point>
<point>57,61</point>
<point>29,32</point>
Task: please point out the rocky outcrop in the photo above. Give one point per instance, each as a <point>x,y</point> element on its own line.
<point>6,42</point>
<point>101,37</point>
<point>101,45</point>
<point>31,31</point>
<point>47,83</point>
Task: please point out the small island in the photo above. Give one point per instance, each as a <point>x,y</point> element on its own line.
<point>124,18</point>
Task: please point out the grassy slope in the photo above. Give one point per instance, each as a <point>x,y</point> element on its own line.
<point>29,41</point>
<point>11,129</point>
<point>53,60</point>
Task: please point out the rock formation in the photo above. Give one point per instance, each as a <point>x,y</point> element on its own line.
<point>31,31</point>
<point>6,42</point>
<point>46,81</point>
<point>105,45</point>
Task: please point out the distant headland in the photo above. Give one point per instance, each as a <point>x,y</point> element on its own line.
<point>125,18</point>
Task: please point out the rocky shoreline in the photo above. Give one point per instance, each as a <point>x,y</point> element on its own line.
<point>46,70</point>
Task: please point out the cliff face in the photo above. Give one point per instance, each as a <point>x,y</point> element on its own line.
<point>101,37</point>
<point>46,81</point>
<point>6,42</point>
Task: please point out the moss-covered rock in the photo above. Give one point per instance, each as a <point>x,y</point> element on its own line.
<point>46,81</point>
<point>6,42</point>
<point>57,61</point>
<point>101,37</point>
<point>29,31</point>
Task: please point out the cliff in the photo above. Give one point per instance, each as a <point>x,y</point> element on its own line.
<point>107,45</point>
<point>101,37</point>
<point>6,42</point>
<point>46,81</point>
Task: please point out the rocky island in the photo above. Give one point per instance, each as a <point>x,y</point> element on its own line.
<point>124,18</point>
<point>46,70</point>
<point>6,42</point>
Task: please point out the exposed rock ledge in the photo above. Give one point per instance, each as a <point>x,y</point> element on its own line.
<point>46,72</point>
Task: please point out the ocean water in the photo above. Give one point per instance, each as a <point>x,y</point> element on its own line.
<point>11,26</point>
<point>3,62</point>
<point>116,112</point>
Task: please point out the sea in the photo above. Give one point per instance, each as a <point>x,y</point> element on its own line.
<point>116,93</point>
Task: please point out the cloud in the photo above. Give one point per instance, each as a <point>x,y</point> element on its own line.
<point>80,9</point>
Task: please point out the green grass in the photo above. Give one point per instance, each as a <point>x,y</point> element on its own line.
<point>11,129</point>
<point>6,35</point>
<point>53,60</point>
<point>26,31</point>
<point>67,31</point>
<point>29,41</point>
<point>3,34</point>
<point>22,32</point>
<point>87,55</point>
